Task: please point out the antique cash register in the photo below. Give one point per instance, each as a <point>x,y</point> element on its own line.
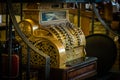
<point>51,32</point>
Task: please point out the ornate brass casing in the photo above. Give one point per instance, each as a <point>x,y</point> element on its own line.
<point>62,41</point>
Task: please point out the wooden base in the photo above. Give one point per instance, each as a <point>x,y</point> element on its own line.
<point>81,71</point>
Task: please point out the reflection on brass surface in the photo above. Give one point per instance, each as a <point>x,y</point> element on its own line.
<point>54,49</point>
<point>62,41</point>
<point>27,26</point>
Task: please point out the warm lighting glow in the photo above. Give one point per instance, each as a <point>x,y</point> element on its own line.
<point>35,27</point>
